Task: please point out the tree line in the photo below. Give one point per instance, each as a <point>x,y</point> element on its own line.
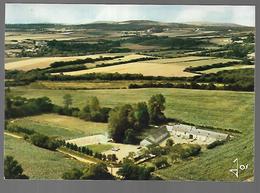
<point>239,79</point>
<point>192,85</point>
<point>195,69</point>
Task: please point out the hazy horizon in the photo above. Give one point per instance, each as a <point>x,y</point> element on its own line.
<point>90,13</point>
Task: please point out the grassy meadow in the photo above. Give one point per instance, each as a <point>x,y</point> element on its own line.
<point>223,109</point>
<point>39,163</point>
<point>60,126</point>
<point>100,147</point>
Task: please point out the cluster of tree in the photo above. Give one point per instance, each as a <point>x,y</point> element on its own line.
<point>82,61</point>
<point>215,144</point>
<point>161,162</point>
<point>250,38</point>
<point>184,151</point>
<point>68,68</point>
<point>131,171</point>
<point>12,169</point>
<point>240,79</point>
<point>165,41</point>
<point>97,171</point>
<point>207,67</point>
<point>237,50</point>
<point>127,61</point>
<point>93,112</point>
<point>23,78</point>
<point>73,47</point>
<point>89,152</point>
<point>18,129</point>
<point>108,76</point>
<point>20,107</point>
<point>44,141</point>
<point>126,121</point>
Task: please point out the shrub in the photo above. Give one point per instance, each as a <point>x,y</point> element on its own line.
<point>44,141</point>
<point>215,144</point>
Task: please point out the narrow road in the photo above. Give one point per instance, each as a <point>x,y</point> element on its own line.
<point>77,157</point>
<point>13,135</point>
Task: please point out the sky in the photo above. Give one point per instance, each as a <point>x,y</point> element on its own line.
<point>83,13</point>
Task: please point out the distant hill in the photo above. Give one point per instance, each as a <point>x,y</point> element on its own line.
<point>214,24</point>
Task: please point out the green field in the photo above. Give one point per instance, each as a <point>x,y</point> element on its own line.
<point>223,109</point>
<point>60,126</point>
<point>100,147</point>
<point>39,163</point>
<point>215,70</point>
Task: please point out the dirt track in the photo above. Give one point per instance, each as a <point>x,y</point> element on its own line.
<point>13,135</point>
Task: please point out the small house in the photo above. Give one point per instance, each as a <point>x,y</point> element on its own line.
<point>156,137</point>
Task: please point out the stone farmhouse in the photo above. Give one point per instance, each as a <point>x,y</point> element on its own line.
<point>155,138</point>
<point>191,132</point>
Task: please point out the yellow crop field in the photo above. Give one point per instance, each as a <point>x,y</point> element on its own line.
<point>43,62</point>
<point>161,67</point>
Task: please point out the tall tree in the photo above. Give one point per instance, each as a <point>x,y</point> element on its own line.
<point>119,121</point>
<point>67,100</point>
<point>156,106</point>
<point>129,136</point>
<point>141,116</point>
<point>12,169</point>
<point>74,174</point>
<point>97,172</point>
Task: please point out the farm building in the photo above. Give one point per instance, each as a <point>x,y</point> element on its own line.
<point>156,137</point>
<point>191,132</point>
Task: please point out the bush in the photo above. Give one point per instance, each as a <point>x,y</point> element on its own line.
<point>183,151</point>
<point>215,144</point>
<point>161,163</point>
<point>18,129</point>
<point>44,141</point>
<point>12,169</point>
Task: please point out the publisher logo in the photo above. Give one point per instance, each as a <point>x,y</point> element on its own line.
<point>238,168</point>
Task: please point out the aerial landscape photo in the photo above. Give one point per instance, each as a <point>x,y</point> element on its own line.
<point>129,92</point>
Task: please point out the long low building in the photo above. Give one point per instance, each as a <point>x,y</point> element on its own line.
<point>191,132</point>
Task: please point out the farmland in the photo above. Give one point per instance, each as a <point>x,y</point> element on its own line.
<point>61,126</point>
<point>187,100</point>
<point>99,91</point>
<point>162,67</point>
<point>214,70</point>
<point>42,62</point>
<point>39,159</point>
<point>185,105</point>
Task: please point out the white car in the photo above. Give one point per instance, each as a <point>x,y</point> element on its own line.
<point>115,149</point>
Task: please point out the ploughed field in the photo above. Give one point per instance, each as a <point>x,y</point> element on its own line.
<point>39,163</point>
<point>222,109</point>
